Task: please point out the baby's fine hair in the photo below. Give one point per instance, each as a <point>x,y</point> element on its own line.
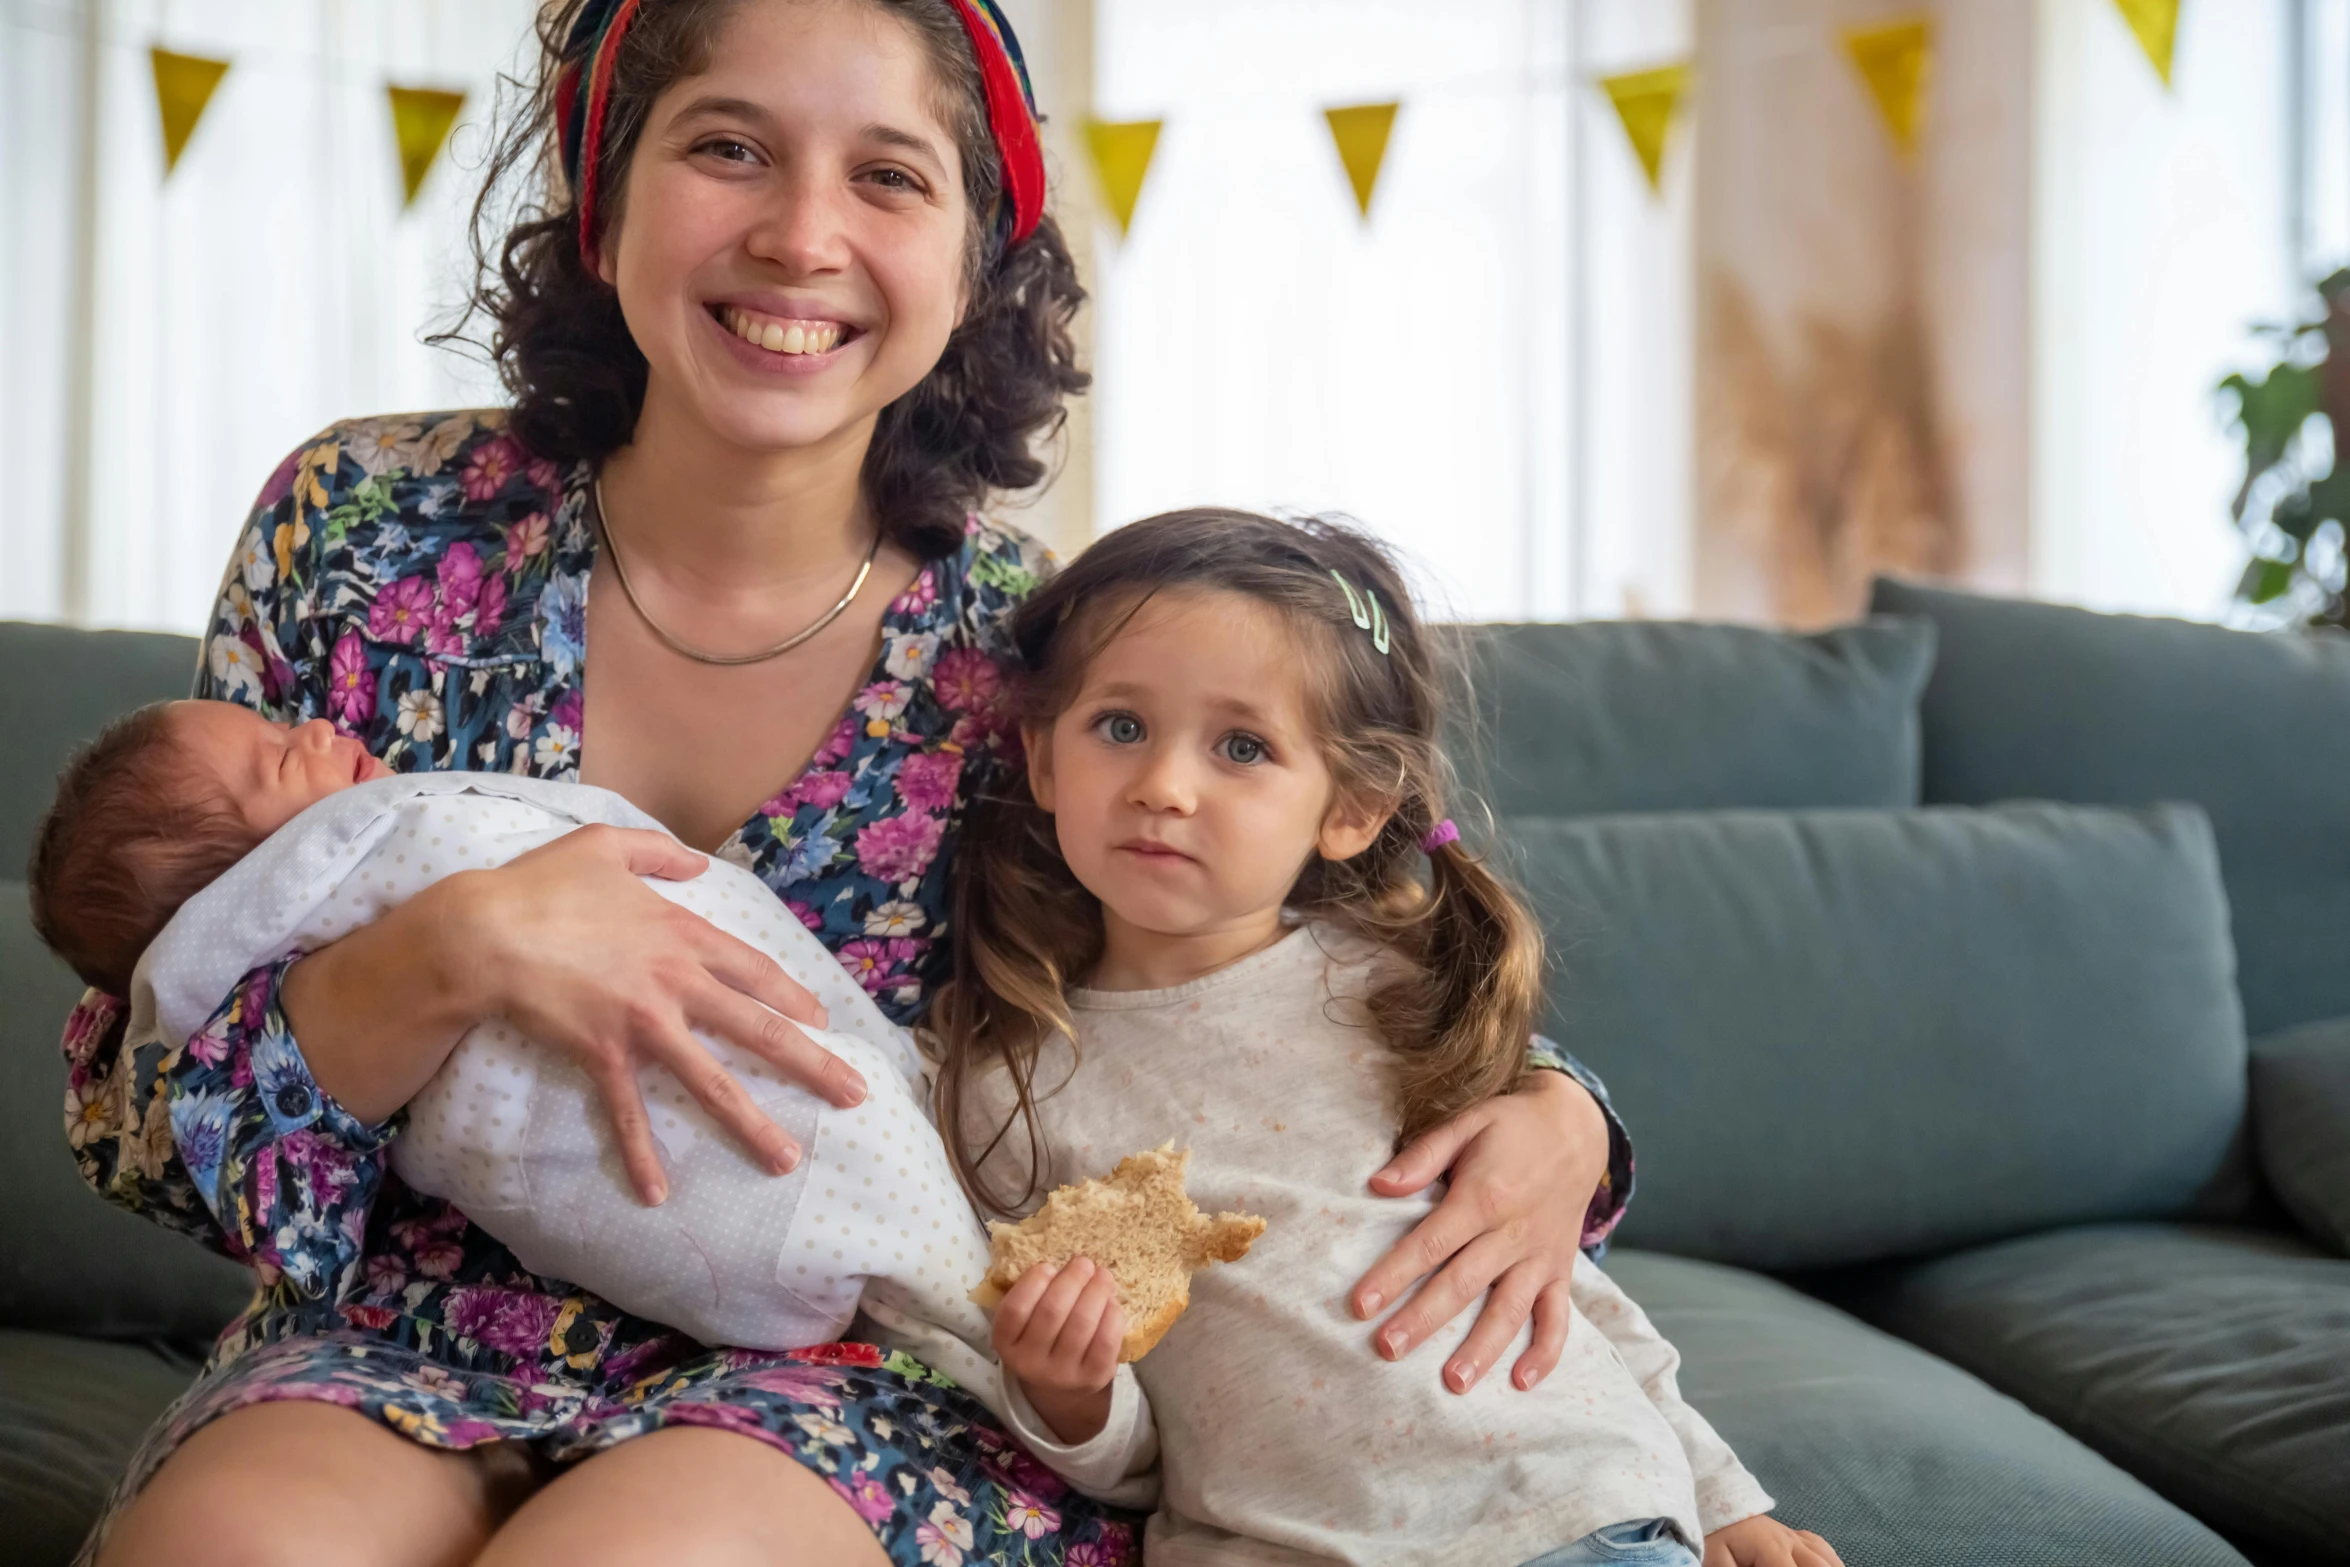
<point>135,831</point>
<point>1459,1017</point>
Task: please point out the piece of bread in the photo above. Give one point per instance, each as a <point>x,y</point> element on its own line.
<point>1139,1224</point>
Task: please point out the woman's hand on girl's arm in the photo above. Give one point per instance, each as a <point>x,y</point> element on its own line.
<point>1523,1171</point>
<point>1763,1541</point>
<point>579,955</point>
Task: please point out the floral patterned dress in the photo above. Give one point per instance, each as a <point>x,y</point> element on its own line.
<point>422,582</point>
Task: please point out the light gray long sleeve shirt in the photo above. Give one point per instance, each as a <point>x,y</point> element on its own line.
<point>1282,1437</point>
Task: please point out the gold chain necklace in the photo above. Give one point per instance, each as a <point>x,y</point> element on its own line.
<point>620,572</point>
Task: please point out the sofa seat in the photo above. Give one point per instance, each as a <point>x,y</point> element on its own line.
<point>2211,1363</point>
<point>71,1410</point>
<point>1895,1456</point>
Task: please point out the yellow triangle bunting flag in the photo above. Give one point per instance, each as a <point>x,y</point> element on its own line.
<point>421,119</point>
<point>1896,60</point>
<point>184,85</point>
<point>1122,151</point>
<point>1646,101</point>
<point>1361,132</point>
<point>2156,24</point>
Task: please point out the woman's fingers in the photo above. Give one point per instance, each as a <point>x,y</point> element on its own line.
<point>1443,1297</point>
<point>717,1091</point>
<point>631,1127</point>
<point>1552,1319</point>
<point>743,967</point>
<point>1431,1244</point>
<point>1429,1156</point>
<point>779,1042</point>
<point>643,853</point>
<point>1816,1552</point>
<point>1507,1306</point>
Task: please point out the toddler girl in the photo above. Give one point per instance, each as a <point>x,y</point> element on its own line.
<point>1232,909</point>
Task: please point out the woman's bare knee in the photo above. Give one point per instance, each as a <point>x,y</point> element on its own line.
<point>311,1483</point>
<point>687,1494</point>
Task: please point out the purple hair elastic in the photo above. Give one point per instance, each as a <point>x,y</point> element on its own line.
<point>1442,833</point>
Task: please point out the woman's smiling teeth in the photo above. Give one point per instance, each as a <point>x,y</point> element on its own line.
<point>780,335</point>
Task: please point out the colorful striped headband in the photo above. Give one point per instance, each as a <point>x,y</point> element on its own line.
<point>594,46</point>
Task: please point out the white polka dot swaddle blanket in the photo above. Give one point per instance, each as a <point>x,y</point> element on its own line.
<point>517,1138</point>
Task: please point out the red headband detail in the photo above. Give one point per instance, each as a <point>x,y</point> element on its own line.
<point>1010,119</point>
<point>599,95</point>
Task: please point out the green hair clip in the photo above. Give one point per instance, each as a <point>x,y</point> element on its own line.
<point>1373,620</point>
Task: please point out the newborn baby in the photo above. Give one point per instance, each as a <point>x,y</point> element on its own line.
<point>195,841</point>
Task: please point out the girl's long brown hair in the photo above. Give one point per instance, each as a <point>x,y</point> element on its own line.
<point>1458,1017</point>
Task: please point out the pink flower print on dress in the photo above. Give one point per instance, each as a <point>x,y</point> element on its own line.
<point>569,710</point>
<point>866,1497</point>
<point>823,790</point>
<point>1030,1516</point>
<point>350,689</point>
<point>967,680</point>
<point>809,914</point>
<point>838,744</point>
<point>802,1384</point>
<point>401,611</point>
<point>919,596</point>
<point>516,1322</point>
<point>459,579</point>
<point>492,464</point>
<point>926,780</point>
<point>525,539</point>
<point>544,475</point>
<point>871,963</point>
<point>899,848</point>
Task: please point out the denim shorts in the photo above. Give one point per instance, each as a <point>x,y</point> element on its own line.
<point>1645,1542</point>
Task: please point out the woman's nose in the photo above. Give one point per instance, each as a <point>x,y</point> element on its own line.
<point>801,230</point>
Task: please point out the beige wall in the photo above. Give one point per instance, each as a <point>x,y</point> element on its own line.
<point>1863,344</point>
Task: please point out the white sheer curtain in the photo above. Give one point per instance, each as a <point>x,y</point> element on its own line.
<point>272,285</point>
<point>1492,371</point>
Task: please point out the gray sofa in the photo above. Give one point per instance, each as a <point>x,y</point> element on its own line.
<point>1985,1234</point>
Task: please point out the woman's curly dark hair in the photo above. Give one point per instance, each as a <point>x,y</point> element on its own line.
<point>968,430</point>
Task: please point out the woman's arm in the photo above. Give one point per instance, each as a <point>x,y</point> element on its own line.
<point>1535,1177</point>
<point>566,943</point>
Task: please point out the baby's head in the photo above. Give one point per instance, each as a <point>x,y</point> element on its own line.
<point>158,806</point>
<point>1226,715</point>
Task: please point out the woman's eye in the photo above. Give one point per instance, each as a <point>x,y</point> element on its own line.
<point>1121,728</point>
<point>893,179</point>
<point>729,149</point>
<point>1247,750</point>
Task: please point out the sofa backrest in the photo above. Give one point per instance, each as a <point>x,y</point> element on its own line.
<point>1600,717</point>
<point>2038,701</point>
<point>1839,1036</point>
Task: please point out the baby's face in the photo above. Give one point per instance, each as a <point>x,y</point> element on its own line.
<point>271,772</point>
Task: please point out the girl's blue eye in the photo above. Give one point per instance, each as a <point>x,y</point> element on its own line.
<point>1247,750</point>
<point>1121,728</point>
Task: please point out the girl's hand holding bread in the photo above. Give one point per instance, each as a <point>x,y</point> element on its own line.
<point>1058,1332</point>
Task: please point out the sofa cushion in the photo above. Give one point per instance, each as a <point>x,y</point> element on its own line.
<point>70,1260</point>
<point>1848,1035</point>
<point>1894,1456</point>
<point>2213,1363</point>
<point>64,686</point>
<point>1657,716</point>
<point>71,1410</point>
<point>2041,702</point>
<point>2301,1123</point>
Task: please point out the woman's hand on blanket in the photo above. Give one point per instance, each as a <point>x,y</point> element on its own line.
<point>581,956</point>
<point>1058,1331</point>
<point>1763,1541</point>
<point>1523,1167</point>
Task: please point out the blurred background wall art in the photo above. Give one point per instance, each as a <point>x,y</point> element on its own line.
<point>1600,308</point>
